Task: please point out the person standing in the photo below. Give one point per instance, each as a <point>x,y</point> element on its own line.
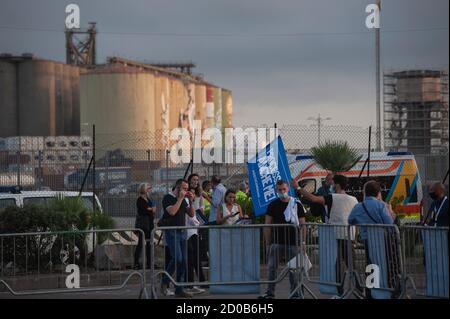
<point>230,212</point>
<point>283,210</point>
<point>324,190</point>
<point>437,215</point>
<point>339,205</point>
<point>206,191</point>
<point>193,239</point>
<point>217,197</point>
<point>144,221</point>
<point>244,200</point>
<point>176,205</point>
<point>372,210</point>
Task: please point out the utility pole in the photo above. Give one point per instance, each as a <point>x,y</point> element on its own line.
<point>378,80</point>
<point>319,121</point>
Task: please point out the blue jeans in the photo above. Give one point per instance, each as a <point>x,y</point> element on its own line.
<point>275,251</point>
<point>176,242</point>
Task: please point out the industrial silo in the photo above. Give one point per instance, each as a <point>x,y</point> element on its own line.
<point>75,83</point>
<point>8,99</point>
<point>200,103</point>
<point>227,108</point>
<point>162,119</point>
<point>37,94</point>
<point>121,103</point>
<point>58,73</point>
<point>67,100</point>
<point>218,107</point>
<point>209,109</point>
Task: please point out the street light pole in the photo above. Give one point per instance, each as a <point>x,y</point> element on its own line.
<point>378,79</point>
<point>319,121</point>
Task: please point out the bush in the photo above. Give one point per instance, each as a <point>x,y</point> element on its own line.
<point>60,214</point>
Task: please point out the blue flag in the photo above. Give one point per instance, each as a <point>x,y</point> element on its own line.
<point>264,170</point>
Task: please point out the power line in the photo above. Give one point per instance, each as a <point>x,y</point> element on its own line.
<point>243,35</point>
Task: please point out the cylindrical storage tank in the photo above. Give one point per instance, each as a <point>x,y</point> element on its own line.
<point>174,103</point>
<point>162,112</point>
<point>67,100</point>
<point>200,103</point>
<point>191,106</point>
<point>120,104</point>
<point>8,99</point>
<point>37,98</point>
<point>75,83</point>
<point>218,107</point>
<point>209,107</point>
<point>227,108</point>
<point>59,98</point>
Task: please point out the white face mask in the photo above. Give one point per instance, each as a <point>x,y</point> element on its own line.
<point>283,195</point>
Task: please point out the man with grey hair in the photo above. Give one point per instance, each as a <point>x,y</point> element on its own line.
<point>437,215</point>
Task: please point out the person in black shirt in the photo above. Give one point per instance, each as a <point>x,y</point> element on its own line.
<point>438,213</point>
<point>283,210</point>
<point>144,221</point>
<point>176,205</point>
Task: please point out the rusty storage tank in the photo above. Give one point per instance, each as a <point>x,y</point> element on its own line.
<point>200,103</point>
<point>218,107</point>
<point>120,101</point>
<point>209,107</point>
<point>8,99</point>
<point>227,108</point>
<point>162,112</point>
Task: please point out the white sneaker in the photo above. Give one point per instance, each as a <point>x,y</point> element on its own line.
<point>170,292</point>
<point>198,290</point>
<point>195,290</point>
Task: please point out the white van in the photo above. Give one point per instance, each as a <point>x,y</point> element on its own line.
<point>397,173</point>
<point>22,198</point>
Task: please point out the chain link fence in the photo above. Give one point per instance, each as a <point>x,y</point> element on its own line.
<point>123,161</point>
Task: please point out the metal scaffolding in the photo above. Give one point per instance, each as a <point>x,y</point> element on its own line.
<point>416,111</point>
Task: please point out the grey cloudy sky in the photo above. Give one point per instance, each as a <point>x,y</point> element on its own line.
<point>328,68</point>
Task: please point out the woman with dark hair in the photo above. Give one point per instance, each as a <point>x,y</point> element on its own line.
<point>229,212</point>
<point>193,243</point>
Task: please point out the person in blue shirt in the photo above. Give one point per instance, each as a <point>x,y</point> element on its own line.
<point>438,213</point>
<point>372,210</point>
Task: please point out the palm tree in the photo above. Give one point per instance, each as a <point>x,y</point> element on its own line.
<point>335,156</point>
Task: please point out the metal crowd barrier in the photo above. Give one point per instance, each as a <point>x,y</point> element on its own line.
<point>377,253</point>
<point>425,252</point>
<point>326,247</point>
<point>240,258</point>
<point>46,262</point>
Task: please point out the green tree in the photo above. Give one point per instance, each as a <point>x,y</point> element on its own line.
<point>335,156</point>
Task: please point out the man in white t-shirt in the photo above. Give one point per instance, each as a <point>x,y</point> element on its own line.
<point>339,206</point>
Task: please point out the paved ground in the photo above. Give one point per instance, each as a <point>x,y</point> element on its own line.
<point>132,292</point>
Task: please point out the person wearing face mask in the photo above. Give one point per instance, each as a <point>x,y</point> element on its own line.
<point>437,215</point>
<point>326,189</point>
<point>339,205</point>
<point>144,220</point>
<point>283,210</point>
